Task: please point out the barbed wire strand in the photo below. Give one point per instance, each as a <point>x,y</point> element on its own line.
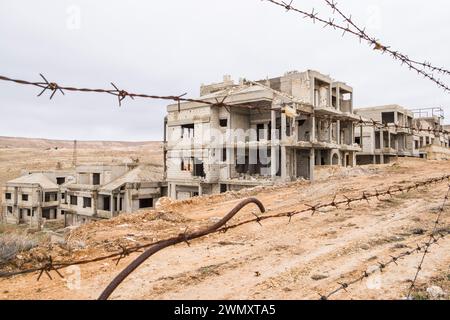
<point>347,201</point>
<point>122,94</point>
<point>343,286</point>
<point>313,15</point>
<point>396,55</point>
<point>431,240</point>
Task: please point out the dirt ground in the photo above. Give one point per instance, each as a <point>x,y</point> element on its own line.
<point>303,259</point>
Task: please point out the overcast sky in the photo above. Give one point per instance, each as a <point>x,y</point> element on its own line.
<point>171,47</point>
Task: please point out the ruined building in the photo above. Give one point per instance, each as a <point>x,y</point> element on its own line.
<point>270,131</point>
<point>89,192</point>
<point>33,196</point>
<point>397,138</point>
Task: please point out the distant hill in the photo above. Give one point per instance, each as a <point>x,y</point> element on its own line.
<point>36,143</point>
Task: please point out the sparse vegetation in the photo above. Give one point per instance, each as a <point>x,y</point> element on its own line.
<point>13,243</point>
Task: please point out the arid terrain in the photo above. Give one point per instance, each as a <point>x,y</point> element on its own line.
<point>301,259</point>
<point>17,154</point>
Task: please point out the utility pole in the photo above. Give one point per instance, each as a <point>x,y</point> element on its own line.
<point>74,158</point>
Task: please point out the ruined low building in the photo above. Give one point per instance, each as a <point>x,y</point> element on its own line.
<point>399,136</point>
<point>430,120</point>
<point>89,192</point>
<point>33,196</point>
<point>270,131</point>
<point>382,144</point>
<point>105,191</point>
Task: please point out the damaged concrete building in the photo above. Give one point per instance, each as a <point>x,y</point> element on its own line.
<point>270,131</point>
<point>33,196</point>
<point>380,145</point>
<point>105,191</point>
<point>89,192</point>
<point>398,138</point>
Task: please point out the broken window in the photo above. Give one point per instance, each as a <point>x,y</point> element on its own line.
<point>224,154</point>
<point>74,200</point>
<point>106,203</point>
<point>187,131</point>
<point>24,197</point>
<point>46,213</point>
<point>199,170</point>
<point>223,123</point>
<point>60,180</point>
<point>8,196</point>
<point>87,202</point>
<point>145,203</point>
<point>10,210</point>
<point>223,188</point>
<point>50,196</point>
<point>186,164</point>
<point>259,131</point>
<point>387,117</point>
<point>96,179</point>
<point>357,140</point>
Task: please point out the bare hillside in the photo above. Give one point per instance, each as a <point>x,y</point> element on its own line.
<point>305,258</point>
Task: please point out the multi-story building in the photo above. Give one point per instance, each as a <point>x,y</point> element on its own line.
<point>33,196</point>
<point>89,192</point>
<point>430,120</point>
<point>270,131</point>
<point>105,191</point>
<point>406,133</point>
<point>382,144</point>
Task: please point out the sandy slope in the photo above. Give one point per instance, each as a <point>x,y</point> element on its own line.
<point>299,260</point>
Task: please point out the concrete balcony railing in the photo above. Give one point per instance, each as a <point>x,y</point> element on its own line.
<point>50,204</point>
<point>104,214</point>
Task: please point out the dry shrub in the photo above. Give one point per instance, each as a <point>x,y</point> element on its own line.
<point>11,244</point>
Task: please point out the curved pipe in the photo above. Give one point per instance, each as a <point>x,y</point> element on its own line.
<point>172,241</point>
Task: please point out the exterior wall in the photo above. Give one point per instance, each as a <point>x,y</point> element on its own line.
<point>227,150</point>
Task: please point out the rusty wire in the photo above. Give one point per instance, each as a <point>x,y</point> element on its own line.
<point>395,54</point>
<point>434,239</point>
<point>51,265</point>
<point>430,242</point>
<point>353,29</point>
<point>184,237</point>
<point>122,94</point>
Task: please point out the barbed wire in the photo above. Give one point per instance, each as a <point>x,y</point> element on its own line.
<point>373,42</point>
<point>343,286</point>
<point>396,55</point>
<point>53,87</point>
<point>121,94</point>
<point>49,264</point>
<point>431,240</point>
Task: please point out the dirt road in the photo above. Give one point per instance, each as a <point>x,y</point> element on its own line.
<point>303,259</point>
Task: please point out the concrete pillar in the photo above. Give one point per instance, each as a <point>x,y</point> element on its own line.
<point>283,163</point>
<point>381,146</point>
<point>313,129</point>
<point>273,149</point>
<point>389,139</point>
<point>200,190</point>
<point>330,131</point>
<point>111,204</point>
<point>311,164</point>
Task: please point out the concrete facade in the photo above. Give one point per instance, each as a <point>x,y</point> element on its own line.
<point>33,196</point>
<point>381,145</point>
<point>89,192</point>
<point>271,131</point>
